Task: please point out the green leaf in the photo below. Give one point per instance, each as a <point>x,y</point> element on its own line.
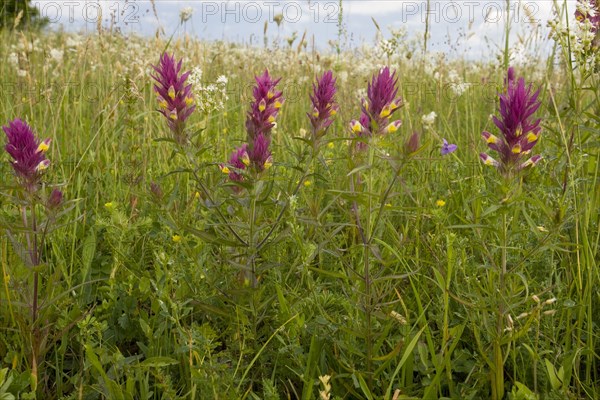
<point>407,353</point>
<point>555,380</point>
<point>364,387</point>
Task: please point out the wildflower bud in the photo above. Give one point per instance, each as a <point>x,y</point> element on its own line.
<point>522,315</point>
<point>55,199</point>
<point>156,190</point>
<point>398,317</point>
<point>535,298</point>
<point>550,301</point>
<point>549,312</point>
<point>510,320</point>
<point>412,144</point>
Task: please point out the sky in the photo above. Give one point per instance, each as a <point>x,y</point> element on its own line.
<point>464,27</point>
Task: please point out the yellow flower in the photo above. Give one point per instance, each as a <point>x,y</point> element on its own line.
<point>262,105</point>
<point>109,206</point>
<point>307,183</point>
<point>387,110</point>
<point>440,203</point>
<point>531,137</point>
<point>176,238</point>
<point>196,195</point>
<point>44,146</point>
<point>330,145</point>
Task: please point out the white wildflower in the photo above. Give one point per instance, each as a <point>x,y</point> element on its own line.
<point>13,59</point>
<point>186,13</point>
<point>208,97</point>
<point>428,119</point>
<point>56,55</point>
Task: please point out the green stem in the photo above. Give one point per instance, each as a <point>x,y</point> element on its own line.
<point>498,381</point>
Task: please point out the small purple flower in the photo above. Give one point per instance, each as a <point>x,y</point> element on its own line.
<point>265,107</point>
<point>324,106</point>
<point>28,153</point>
<point>519,132</point>
<point>175,98</point>
<point>378,107</point>
<point>448,148</point>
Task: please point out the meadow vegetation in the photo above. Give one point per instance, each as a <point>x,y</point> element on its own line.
<point>331,252</point>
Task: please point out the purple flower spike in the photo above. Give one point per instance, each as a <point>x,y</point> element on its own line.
<point>382,100</point>
<point>28,153</point>
<point>448,148</point>
<point>255,154</point>
<point>379,106</point>
<point>175,98</point>
<point>324,106</point>
<point>519,131</point>
<point>265,107</point>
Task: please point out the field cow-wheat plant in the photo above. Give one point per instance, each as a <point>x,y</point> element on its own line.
<point>183,218</point>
